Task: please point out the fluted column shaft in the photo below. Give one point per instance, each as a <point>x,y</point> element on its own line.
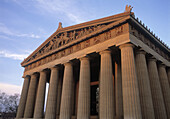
<point>52,95</point>
<point>39,105</point>
<point>118,90</point>
<point>59,92</point>
<point>131,101</point>
<point>168,72</point>
<point>66,99</point>
<point>29,109</point>
<point>157,97</point>
<point>84,90</point>
<point>23,99</point>
<point>106,106</point>
<point>165,87</point>
<point>144,86</point>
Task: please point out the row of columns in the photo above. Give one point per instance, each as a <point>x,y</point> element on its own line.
<point>142,90</point>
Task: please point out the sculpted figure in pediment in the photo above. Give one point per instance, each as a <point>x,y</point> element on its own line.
<point>50,45</point>
<point>81,33</point>
<point>95,28</point>
<point>90,29</point>
<point>73,35</point>
<point>64,36</point>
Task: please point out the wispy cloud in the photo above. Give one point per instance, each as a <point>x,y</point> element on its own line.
<point>63,6</point>
<point>14,56</point>
<point>5,30</point>
<point>5,37</point>
<point>10,89</point>
<point>67,8</point>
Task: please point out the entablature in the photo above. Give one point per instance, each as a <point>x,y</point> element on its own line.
<point>142,33</point>
<point>68,40</point>
<point>80,45</point>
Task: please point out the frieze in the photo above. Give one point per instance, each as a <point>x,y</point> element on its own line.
<point>145,40</point>
<point>84,44</point>
<point>65,38</point>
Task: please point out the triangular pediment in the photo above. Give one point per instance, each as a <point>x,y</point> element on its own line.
<point>67,36</point>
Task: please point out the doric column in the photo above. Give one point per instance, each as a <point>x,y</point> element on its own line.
<point>131,101</point>
<point>144,86</point>
<point>29,109</point>
<point>23,99</point>
<point>39,105</point>
<point>157,97</point>
<point>66,99</point>
<point>52,95</point>
<point>106,106</point>
<point>84,90</point>
<point>59,91</point>
<point>165,87</point>
<point>118,90</point>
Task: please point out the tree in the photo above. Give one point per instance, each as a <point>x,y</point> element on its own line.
<point>8,105</point>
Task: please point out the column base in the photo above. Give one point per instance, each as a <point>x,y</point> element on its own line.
<point>72,117</point>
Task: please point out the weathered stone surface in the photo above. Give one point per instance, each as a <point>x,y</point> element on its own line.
<point>39,105</point>
<point>29,109</point>
<point>106,106</point>
<point>23,99</point>
<point>131,101</point>
<point>165,87</point>
<point>52,94</point>
<point>157,97</point>
<point>118,90</point>
<point>66,98</point>
<point>144,86</point>
<point>84,90</point>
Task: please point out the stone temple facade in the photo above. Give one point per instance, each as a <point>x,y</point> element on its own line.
<point>109,68</point>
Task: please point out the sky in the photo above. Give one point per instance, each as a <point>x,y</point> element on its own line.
<point>25,24</point>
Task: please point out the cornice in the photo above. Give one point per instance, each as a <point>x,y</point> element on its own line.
<point>145,28</point>
<point>98,21</point>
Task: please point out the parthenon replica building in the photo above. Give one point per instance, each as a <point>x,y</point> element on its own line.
<point>109,68</point>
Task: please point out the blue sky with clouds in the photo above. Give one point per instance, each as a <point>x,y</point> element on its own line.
<point>25,24</point>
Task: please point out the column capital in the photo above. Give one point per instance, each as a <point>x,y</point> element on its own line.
<point>34,75</point>
<point>105,51</point>
<point>152,59</point>
<point>55,68</point>
<point>140,51</point>
<point>68,63</point>
<point>126,45</point>
<point>84,58</point>
<point>162,65</point>
<point>27,76</point>
<point>43,71</point>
